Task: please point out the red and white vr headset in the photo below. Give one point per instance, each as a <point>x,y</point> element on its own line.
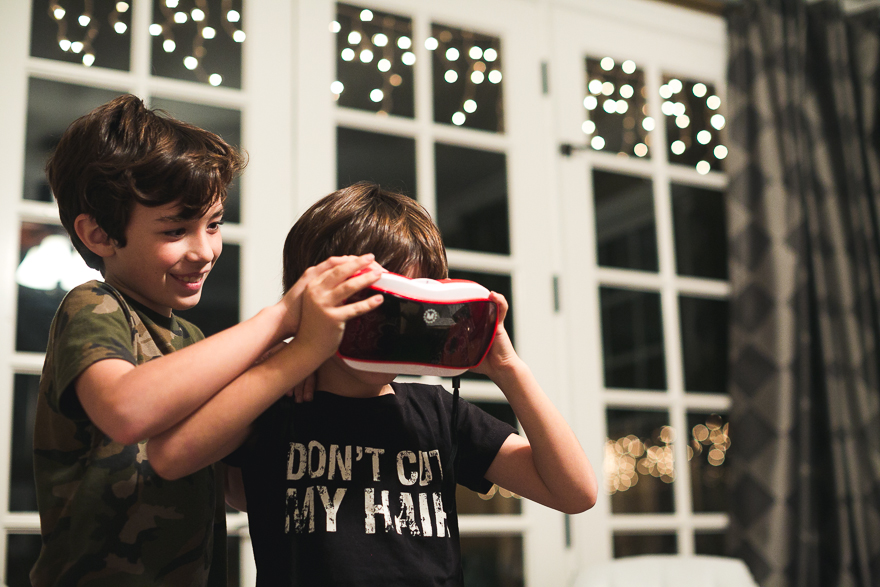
<point>423,327</point>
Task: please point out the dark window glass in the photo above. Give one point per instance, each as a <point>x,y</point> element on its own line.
<point>22,492</point>
<point>496,500</point>
<point>198,40</point>
<point>704,328</point>
<point>225,122</point>
<point>626,234</point>
<point>374,61</point>
<point>492,561</point>
<point>219,306</point>
<point>711,543</point>
<point>387,160</point>
<point>94,33</point>
<point>693,123</point>
<point>48,268</point>
<point>52,106</point>
<point>631,544</point>
<point>22,551</point>
<point>700,231</point>
<point>632,339</point>
<point>707,452</point>
<point>472,208</point>
<point>639,466</point>
<point>617,108</point>
<point>467,78</point>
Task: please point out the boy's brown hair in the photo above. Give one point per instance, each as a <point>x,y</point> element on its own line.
<point>121,154</point>
<point>364,218</point>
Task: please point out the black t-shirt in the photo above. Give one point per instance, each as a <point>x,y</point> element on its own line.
<point>346,491</point>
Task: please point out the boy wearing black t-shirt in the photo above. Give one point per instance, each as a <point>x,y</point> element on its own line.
<point>354,487</point>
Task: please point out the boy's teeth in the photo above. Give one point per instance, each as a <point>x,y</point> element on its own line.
<point>190,279</point>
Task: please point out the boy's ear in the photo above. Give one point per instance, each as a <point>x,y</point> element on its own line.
<point>93,236</point>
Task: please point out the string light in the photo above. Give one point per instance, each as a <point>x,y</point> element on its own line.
<point>199,15</point>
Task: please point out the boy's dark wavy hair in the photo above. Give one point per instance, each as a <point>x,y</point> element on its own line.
<point>121,154</point>
<point>364,218</point>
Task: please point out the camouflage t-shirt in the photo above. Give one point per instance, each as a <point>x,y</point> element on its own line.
<point>106,518</point>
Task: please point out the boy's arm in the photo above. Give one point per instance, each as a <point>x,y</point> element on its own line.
<point>548,466</point>
<point>220,425</point>
<point>130,403</point>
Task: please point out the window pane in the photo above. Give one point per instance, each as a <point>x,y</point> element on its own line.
<point>707,452</point>
<point>52,106</point>
<point>48,268</point>
<point>693,123</point>
<point>467,78</point>
<point>492,561</point>
<point>22,491</point>
<point>711,543</point>
<point>198,40</point>
<point>219,306</point>
<point>92,33</point>
<point>704,330</point>
<point>638,466</point>
<point>374,61</point>
<point>632,339</point>
<point>626,234</point>
<point>22,551</point>
<point>698,216</point>
<point>617,110</point>
<point>497,500</point>
<point>628,544</point>
<point>472,199</point>
<point>225,122</point>
<point>387,160</point>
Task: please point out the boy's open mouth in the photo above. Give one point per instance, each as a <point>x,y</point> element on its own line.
<point>192,278</point>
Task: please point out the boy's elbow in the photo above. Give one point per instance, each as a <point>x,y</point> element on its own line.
<point>582,499</point>
<point>164,465</point>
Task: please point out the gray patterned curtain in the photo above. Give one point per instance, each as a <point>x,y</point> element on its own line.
<point>804,229</point>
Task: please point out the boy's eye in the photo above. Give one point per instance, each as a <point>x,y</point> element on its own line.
<point>176,232</point>
<point>215,225</point>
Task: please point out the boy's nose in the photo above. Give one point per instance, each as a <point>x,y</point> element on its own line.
<point>201,248</point>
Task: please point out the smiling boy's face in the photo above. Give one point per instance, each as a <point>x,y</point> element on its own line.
<point>166,258</point>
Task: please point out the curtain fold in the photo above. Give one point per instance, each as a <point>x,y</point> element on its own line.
<point>803,211</point>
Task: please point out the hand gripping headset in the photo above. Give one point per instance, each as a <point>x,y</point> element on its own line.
<point>423,327</point>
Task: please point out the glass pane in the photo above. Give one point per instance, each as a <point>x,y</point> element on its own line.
<point>22,491</point>
<point>626,234</point>
<point>711,543</point>
<point>496,500</point>
<point>218,308</point>
<point>707,452</point>
<point>387,160</point>
<point>225,122</point>
<point>472,199</point>
<point>704,327</point>
<point>198,40</point>
<point>638,465</point>
<point>22,551</point>
<point>93,32</point>
<point>627,544</point>
<point>48,268</point>
<point>52,106</point>
<point>693,123</point>
<point>699,222</point>
<point>617,109</point>
<point>374,61</point>
<point>466,78</point>
<point>492,561</point>
<point>632,339</point>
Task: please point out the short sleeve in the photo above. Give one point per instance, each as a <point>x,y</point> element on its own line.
<point>91,325</point>
<point>480,437</point>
